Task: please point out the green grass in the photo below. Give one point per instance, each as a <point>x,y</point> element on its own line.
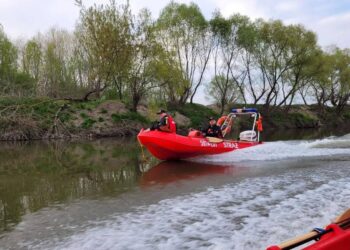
<point>129,116</point>
<point>346,115</point>
<point>281,119</point>
<point>84,115</point>
<point>87,123</point>
<point>197,113</point>
<point>89,105</point>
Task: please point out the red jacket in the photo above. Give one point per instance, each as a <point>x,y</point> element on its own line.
<point>167,120</point>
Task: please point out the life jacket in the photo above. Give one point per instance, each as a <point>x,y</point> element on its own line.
<point>259,125</point>
<point>172,124</point>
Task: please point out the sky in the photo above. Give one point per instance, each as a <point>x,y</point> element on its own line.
<point>22,19</point>
<point>329,19</point>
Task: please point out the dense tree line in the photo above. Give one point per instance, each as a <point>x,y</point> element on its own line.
<point>117,54</point>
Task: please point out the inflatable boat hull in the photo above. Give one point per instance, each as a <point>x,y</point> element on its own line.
<point>170,146</point>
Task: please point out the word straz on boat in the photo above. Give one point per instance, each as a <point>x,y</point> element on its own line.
<point>172,146</point>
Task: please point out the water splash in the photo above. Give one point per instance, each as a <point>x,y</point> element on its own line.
<point>281,150</point>
<point>252,214</point>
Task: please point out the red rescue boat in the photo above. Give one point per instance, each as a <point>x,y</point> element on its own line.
<point>171,146</point>
<point>335,236</point>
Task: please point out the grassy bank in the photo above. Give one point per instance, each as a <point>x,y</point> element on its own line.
<point>27,119</point>
<point>302,116</point>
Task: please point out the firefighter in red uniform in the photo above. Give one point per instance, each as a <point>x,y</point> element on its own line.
<point>166,122</point>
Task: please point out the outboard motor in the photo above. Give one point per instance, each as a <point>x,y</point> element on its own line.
<point>249,135</point>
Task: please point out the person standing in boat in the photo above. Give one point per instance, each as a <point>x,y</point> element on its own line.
<point>213,130</point>
<point>166,122</point>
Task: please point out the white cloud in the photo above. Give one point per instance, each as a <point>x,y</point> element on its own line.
<point>288,6</point>
<point>330,19</point>
<point>334,30</point>
<point>27,17</point>
<point>251,8</point>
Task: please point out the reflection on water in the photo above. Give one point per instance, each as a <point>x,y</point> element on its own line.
<point>168,172</point>
<point>37,175</point>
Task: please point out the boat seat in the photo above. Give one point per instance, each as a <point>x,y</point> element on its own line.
<point>214,139</point>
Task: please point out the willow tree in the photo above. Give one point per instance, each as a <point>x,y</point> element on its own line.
<point>144,55</point>
<point>103,33</point>
<point>223,90</point>
<point>303,51</point>
<point>8,61</point>
<point>184,34</point>
<point>58,77</point>
<point>339,78</point>
<point>229,35</point>
<point>281,49</point>
<point>32,58</point>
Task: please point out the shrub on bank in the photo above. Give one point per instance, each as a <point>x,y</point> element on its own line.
<point>198,114</point>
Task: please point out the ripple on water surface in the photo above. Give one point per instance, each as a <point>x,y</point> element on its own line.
<point>251,214</point>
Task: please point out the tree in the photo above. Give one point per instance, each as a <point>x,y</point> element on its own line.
<point>105,47</point>
<point>282,54</point>
<point>304,50</point>
<point>145,50</point>
<point>168,79</point>
<point>8,61</point>
<point>229,36</point>
<point>340,79</point>
<point>32,58</point>
<point>223,90</point>
<point>58,78</point>
<point>183,33</point>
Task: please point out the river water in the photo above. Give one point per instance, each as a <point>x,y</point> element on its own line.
<point>104,194</point>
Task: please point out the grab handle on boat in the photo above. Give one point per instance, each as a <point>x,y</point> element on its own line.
<point>341,222</point>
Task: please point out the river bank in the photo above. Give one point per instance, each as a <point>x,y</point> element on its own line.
<point>33,119</point>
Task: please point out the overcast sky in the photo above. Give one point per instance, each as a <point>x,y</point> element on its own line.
<point>329,19</point>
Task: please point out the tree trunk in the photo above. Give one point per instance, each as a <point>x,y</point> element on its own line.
<point>135,102</point>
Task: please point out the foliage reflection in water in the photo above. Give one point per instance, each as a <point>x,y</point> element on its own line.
<point>39,174</point>
<point>36,175</point>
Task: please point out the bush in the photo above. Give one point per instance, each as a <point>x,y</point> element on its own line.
<point>198,114</point>
<point>83,115</point>
<point>347,116</point>
<point>129,116</point>
<point>88,122</point>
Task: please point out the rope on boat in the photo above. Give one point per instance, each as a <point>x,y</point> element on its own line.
<point>142,151</point>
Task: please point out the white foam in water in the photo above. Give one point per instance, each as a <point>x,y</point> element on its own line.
<point>252,214</point>
<point>280,150</point>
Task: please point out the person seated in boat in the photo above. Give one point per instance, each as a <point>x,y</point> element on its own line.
<point>213,130</point>
<point>166,122</point>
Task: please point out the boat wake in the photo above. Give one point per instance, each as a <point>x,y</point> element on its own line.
<point>333,142</point>
<point>251,214</point>
<point>280,150</point>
